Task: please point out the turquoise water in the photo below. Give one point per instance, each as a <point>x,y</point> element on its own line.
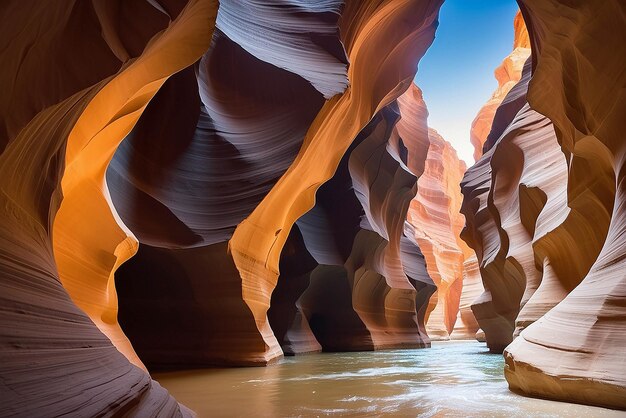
<point>451,379</point>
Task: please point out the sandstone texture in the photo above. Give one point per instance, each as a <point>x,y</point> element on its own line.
<point>434,214</point>
<point>160,163</point>
<point>61,240</point>
<point>575,351</point>
<point>192,183</point>
<point>466,327</point>
<point>544,209</point>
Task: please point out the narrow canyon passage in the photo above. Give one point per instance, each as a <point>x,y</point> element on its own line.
<point>387,207</point>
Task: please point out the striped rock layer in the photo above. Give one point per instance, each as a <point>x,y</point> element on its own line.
<point>545,209</point>
<point>160,162</point>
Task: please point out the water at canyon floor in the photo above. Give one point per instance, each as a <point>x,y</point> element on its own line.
<point>451,379</point>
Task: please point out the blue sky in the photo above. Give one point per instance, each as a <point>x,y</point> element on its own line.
<point>456,74</point>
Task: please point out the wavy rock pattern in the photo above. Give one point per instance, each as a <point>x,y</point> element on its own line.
<point>544,211</point>
<point>497,308</point>
<point>355,232</point>
<point>436,226</point>
<point>207,149</point>
<point>366,30</point>
<point>201,187</point>
<point>59,140</point>
<point>507,74</point>
<point>466,326</point>
<point>234,121</point>
<point>575,351</point>
<point>272,162</point>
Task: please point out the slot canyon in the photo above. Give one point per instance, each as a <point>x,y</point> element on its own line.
<point>248,208</point>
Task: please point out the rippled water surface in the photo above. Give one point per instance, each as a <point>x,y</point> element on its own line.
<point>451,379</point>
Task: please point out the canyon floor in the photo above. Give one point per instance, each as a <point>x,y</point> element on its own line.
<point>451,379</point>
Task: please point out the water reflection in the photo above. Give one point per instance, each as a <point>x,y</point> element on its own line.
<point>451,379</point>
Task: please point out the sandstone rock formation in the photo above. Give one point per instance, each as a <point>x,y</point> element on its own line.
<point>544,214</point>
<point>575,351</point>
<point>434,214</point>
<point>63,117</point>
<point>507,74</point>
<point>224,139</point>
<point>370,288</point>
<point>366,30</point>
<point>236,171</point>
<point>466,326</point>
<point>236,177</point>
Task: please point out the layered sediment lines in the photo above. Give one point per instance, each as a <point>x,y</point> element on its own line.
<point>366,30</point>
<point>179,159</point>
<point>575,351</point>
<point>466,325</point>
<point>434,214</point>
<point>367,290</point>
<point>60,337</point>
<point>544,209</point>
<point>258,140</point>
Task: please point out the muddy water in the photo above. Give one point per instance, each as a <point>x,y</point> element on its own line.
<point>451,379</point>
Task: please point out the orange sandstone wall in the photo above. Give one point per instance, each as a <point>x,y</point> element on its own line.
<point>544,210</point>
<point>196,151</point>
<point>575,351</point>
<point>434,213</point>
<point>466,325</point>
<point>63,117</point>
<point>241,156</point>
<point>366,30</point>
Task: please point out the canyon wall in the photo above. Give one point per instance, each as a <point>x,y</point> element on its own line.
<point>466,326</point>
<point>153,163</point>
<point>437,223</point>
<point>575,351</point>
<point>367,253</point>
<point>544,210</point>
<point>260,147</point>
<point>244,180</point>
<point>60,238</point>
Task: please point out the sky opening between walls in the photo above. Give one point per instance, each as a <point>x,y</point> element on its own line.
<point>456,74</point>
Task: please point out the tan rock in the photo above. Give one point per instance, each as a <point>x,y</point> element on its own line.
<point>575,351</point>
<point>466,327</point>
<point>434,214</point>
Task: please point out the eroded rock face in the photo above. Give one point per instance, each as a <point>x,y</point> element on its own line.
<point>544,210</point>
<point>437,223</point>
<point>575,351</point>
<point>366,30</point>
<point>224,139</point>
<point>356,234</point>
<point>259,140</point>
<point>466,325</point>
<point>62,349</point>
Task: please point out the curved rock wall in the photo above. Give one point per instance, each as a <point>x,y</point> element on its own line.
<point>272,162</point>
<point>543,208</point>
<point>64,122</point>
<point>437,223</point>
<point>575,351</point>
<point>228,141</point>
<point>224,139</point>
<point>355,232</point>
<point>366,30</point>
<point>466,325</point>
<point>366,250</point>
